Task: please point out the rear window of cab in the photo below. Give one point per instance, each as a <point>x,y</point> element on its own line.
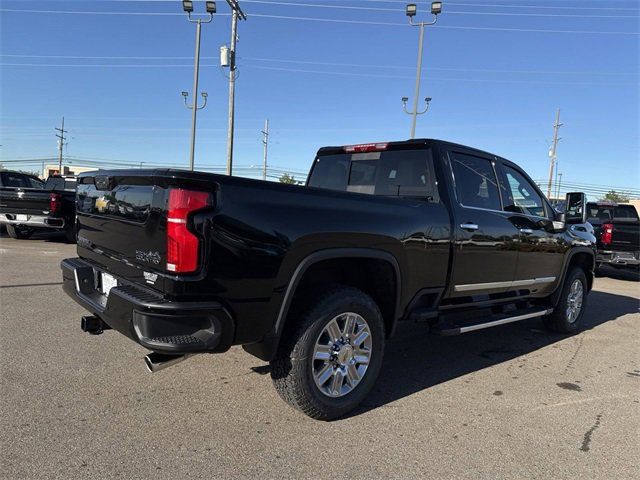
<point>404,173</point>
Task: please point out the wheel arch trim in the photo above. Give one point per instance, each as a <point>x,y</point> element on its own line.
<point>555,296</point>
<point>330,254</point>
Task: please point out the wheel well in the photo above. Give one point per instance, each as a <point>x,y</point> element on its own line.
<point>585,261</point>
<point>375,277</point>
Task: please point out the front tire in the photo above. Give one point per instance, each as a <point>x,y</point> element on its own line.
<point>19,232</point>
<point>573,301</point>
<point>331,354</point>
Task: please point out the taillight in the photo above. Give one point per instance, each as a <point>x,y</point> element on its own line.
<point>183,247</point>
<point>607,233</point>
<point>366,147</point>
<point>55,203</point>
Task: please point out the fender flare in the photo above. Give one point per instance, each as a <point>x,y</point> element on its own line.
<point>328,254</point>
<point>555,296</point>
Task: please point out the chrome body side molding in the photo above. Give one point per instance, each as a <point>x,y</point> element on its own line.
<point>471,287</point>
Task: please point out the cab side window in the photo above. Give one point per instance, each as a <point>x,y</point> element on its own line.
<point>521,196</point>
<point>476,184</point>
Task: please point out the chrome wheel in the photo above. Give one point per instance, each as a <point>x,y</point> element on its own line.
<point>341,354</point>
<point>574,300</point>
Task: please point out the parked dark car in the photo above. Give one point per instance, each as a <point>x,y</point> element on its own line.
<point>617,230</point>
<point>27,204</point>
<point>316,278</point>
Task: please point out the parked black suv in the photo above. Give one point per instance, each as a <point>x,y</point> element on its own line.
<point>315,278</point>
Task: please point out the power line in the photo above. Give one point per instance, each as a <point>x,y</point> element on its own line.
<point>306,62</point>
<point>334,20</point>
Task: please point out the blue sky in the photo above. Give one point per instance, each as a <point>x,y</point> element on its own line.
<point>496,69</point>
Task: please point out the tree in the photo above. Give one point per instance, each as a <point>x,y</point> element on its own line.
<point>616,197</point>
<point>289,179</point>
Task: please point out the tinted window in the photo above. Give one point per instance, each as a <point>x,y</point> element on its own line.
<point>35,183</point>
<point>476,184</point>
<point>393,173</point>
<point>607,213</point>
<point>14,179</point>
<point>521,196</point>
<point>59,183</point>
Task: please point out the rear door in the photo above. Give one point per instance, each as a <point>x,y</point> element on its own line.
<point>485,248</point>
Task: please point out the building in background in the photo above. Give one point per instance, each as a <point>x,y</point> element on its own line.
<point>52,169</point>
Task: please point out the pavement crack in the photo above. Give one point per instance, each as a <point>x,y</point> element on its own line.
<point>586,442</point>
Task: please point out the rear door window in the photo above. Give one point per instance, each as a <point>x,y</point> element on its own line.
<point>475,180</point>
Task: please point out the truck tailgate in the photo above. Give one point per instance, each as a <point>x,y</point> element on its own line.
<point>122,225</point>
<point>625,237</point>
<point>24,201</point>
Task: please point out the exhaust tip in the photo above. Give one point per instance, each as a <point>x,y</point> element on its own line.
<point>159,361</point>
<point>148,363</point>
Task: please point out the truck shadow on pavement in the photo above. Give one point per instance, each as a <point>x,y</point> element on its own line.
<point>620,274</point>
<point>415,361</point>
<point>43,235</point>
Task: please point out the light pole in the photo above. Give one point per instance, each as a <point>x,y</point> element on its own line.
<point>412,9</point>
<point>187,6</point>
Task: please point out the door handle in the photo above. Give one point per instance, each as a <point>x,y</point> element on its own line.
<point>526,231</point>
<point>469,226</point>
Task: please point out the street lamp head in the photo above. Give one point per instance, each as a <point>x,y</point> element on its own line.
<point>187,6</point>
<point>405,99</point>
<point>204,94</point>
<point>211,7</point>
<point>428,99</point>
<point>185,94</point>
<point>436,7</point>
<point>412,9</point>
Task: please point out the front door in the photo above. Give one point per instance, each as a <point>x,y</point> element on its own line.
<point>485,249</point>
<point>540,250</point>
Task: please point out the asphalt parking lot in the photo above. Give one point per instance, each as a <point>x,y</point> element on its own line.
<point>510,402</point>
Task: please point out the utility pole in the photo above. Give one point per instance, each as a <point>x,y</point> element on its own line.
<point>61,140</point>
<point>236,14</point>
<point>265,144</point>
<point>553,151</point>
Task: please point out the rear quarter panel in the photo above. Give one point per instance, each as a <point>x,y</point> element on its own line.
<point>262,231</point>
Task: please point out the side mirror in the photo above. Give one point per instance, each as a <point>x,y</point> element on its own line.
<point>575,208</point>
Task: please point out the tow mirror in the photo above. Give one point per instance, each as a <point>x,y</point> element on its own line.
<point>575,210</point>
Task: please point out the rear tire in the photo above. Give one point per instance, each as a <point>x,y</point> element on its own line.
<point>573,302</point>
<point>19,232</point>
<point>331,352</point>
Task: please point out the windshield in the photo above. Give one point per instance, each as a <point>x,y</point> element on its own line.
<point>392,173</point>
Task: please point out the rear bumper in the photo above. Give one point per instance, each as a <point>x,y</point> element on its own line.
<point>146,317</point>
<point>621,259</point>
<point>36,221</point>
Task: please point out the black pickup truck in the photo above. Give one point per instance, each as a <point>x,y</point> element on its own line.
<point>315,278</point>
<point>27,205</point>
<point>617,230</point>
